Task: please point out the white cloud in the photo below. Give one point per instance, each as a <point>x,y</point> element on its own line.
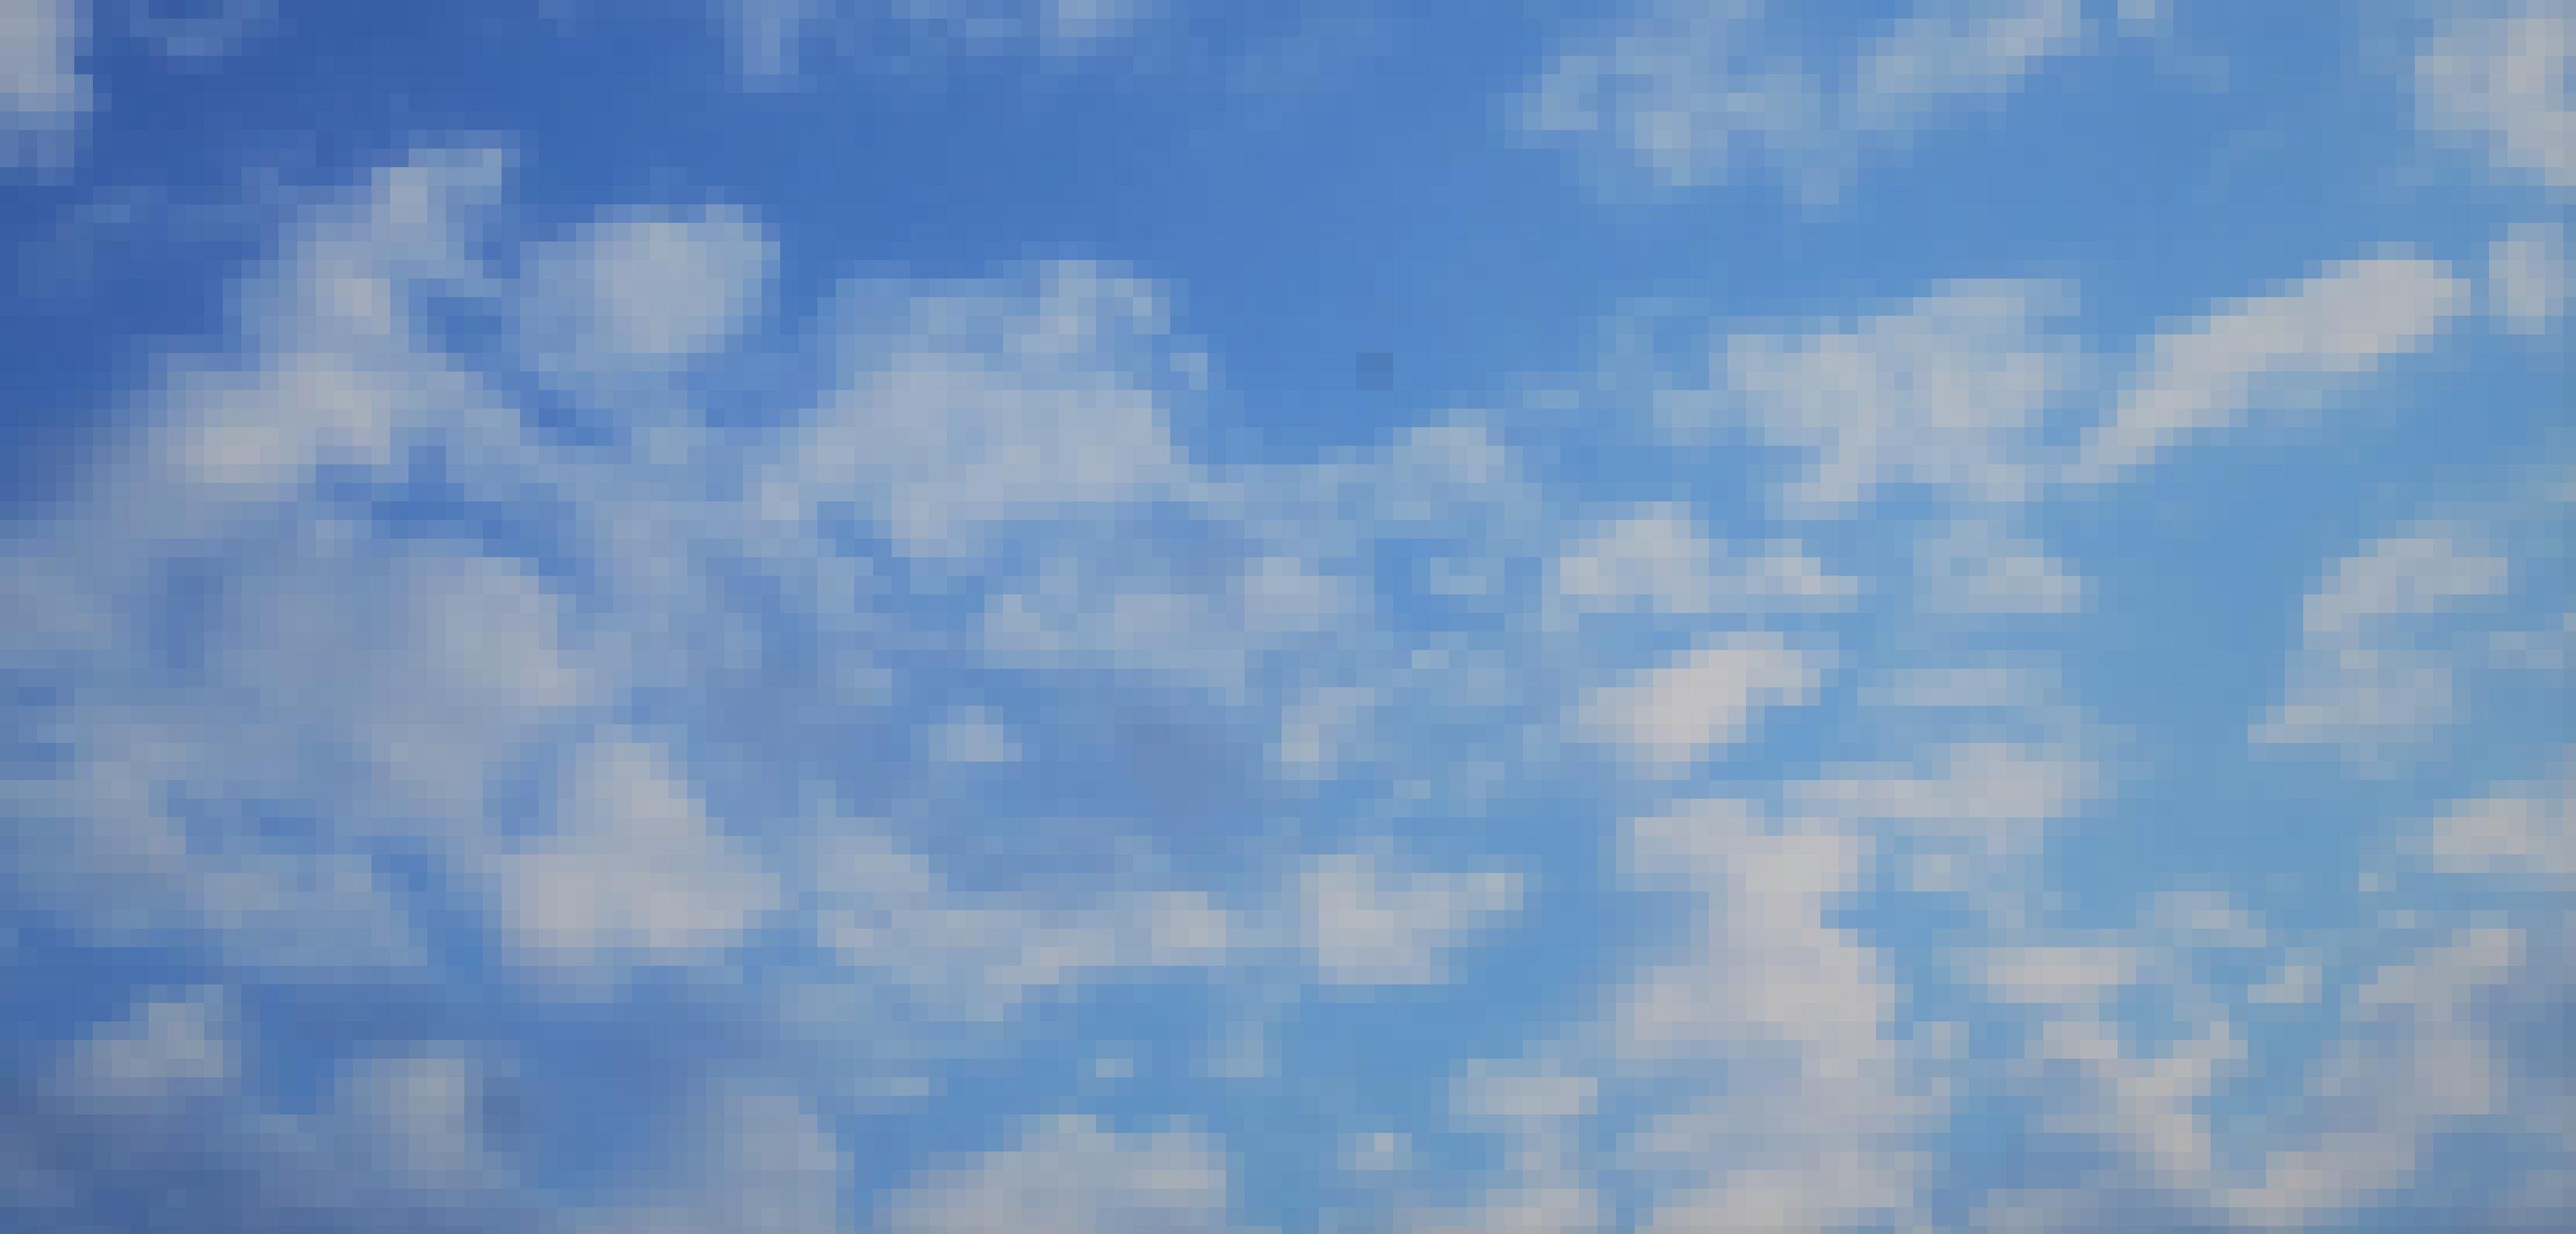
<point>402,690</point>
<point>2430,570</point>
<point>1181,622</point>
<point>1365,923</point>
<point>990,404</point>
<point>1747,1072</point>
<point>1771,966</point>
<point>982,957</point>
<point>2418,1063</point>
<point>1668,716</point>
<point>1690,95</point>
<point>2378,669</point>
<point>759,1161</point>
<point>44,97</point>
<point>634,872</point>
<point>1963,393</point>
<point>200,32</point>
<point>1984,798</point>
<point>2095,1082</point>
<point>1069,1173</point>
<point>1654,560</point>
<point>2498,80</point>
<point>2371,701</point>
<point>1989,683</point>
<point>1320,728</point>
<point>434,664</point>
<point>972,736</point>
<point>1786,1098</point>
<point>1979,569</point>
<point>420,1115</point>
<point>1947,391</point>
<point>2521,830</point>
<point>1377,1152</point>
<point>766,35</point>
<point>2057,973</point>
<point>2527,278</point>
<point>2206,375</point>
<point>378,693</point>
<point>1753,1062</point>
<point>163,1049</point>
<point>1540,1109</point>
<point>2423,1017</point>
<point>769,37</point>
<point>637,293</point>
<point>173,1092</point>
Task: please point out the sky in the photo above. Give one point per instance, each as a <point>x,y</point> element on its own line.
<point>1373,616</point>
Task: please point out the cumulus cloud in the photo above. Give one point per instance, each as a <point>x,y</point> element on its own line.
<point>1747,1070</point>
<point>633,870</point>
<point>241,623</point>
<point>2495,77</point>
<point>635,293</point>
<point>346,666</point>
<point>2527,278</point>
<point>1949,391</point>
<point>993,404</point>
<point>297,736</point>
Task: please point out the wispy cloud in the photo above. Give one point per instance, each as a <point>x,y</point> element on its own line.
<point>1694,95</point>
<point>45,98</point>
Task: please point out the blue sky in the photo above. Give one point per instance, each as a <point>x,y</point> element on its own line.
<point>801,615</point>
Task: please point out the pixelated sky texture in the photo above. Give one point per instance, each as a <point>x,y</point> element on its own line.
<point>788,615</point>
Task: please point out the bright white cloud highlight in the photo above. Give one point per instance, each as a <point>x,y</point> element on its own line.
<point>635,293</point>
<point>2253,354</point>
<point>1669,716</point>
<point>2524,830</point>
